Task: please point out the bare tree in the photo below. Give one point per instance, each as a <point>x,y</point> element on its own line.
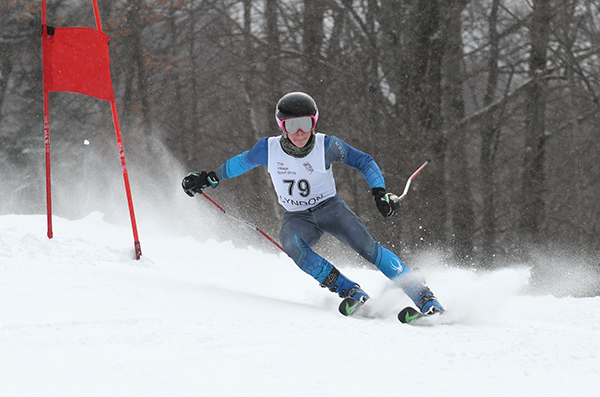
<point>312,40</point>
<point>490,132</point>
<point>534,176</point>
<point>460,195</point>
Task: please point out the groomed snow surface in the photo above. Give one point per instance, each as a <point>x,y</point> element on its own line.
<point>196,317</point>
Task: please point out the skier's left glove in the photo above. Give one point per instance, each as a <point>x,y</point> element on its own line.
<point>194,182</point>
<point>387,203</point>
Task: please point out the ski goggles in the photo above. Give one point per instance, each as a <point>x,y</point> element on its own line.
<point>291,126</point>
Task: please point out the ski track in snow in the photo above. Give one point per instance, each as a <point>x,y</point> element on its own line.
<point>80,317</point>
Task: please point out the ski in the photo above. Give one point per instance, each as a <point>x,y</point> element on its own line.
<point>349,306</point>
<point>410,315</point>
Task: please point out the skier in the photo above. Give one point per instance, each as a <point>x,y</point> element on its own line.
<point>299,161</point>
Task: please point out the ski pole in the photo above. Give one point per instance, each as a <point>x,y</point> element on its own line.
<point>237,218</point>
<point>411,178</point>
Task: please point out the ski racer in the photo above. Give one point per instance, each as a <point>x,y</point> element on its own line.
<point>299,161</point>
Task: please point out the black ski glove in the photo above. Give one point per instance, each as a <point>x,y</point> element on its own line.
<point>194,182</point>
<point>387,203</point>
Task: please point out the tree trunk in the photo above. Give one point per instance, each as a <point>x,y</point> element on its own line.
<point>426,120</point>
<point>460,197</point>
<point>490,132</point>
<point>533,177</point>
<point>273,51</point>
<point>312,40</point>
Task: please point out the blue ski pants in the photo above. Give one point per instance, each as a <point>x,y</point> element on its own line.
<point>301,230</point>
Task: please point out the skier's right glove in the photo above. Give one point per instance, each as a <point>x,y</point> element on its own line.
<point>194,182</point>
<point>387,203</point>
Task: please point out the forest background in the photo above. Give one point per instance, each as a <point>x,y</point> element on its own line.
<point>501,95</point>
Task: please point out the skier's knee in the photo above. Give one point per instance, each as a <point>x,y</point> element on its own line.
<point>295,248</point>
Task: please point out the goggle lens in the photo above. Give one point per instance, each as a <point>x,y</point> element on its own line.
<point>306,124</point>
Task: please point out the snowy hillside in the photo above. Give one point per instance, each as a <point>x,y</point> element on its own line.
<point>80,317</point>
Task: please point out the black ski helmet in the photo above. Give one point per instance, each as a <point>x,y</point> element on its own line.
<point>296,104</point>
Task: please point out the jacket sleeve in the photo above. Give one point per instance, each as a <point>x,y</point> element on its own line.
<point>244,162</point>
<point>339,151</point>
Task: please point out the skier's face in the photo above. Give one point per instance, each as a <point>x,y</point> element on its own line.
<point>300,138</point>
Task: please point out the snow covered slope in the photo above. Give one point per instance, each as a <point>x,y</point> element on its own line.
<point>80,317</point>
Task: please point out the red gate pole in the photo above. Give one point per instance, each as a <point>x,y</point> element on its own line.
<point>113,109</point>
<point>97,16</point>
<point>47,136</point>
<point>48,174</point>
<point>136,240</point>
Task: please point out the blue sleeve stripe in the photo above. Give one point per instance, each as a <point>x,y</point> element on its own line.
<point>237,165</point>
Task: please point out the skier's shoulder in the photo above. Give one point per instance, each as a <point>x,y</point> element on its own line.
<point>336,149</point>
<point>258,154</point>
<point>262,142</point>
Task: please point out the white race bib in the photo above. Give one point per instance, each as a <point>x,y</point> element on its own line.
<point>300,183</point>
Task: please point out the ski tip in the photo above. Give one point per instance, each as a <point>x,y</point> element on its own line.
<point>408,315</point>
<point>427,161</point>
<point>348,306</point>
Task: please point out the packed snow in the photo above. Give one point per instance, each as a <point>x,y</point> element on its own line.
<point>79,316</point>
